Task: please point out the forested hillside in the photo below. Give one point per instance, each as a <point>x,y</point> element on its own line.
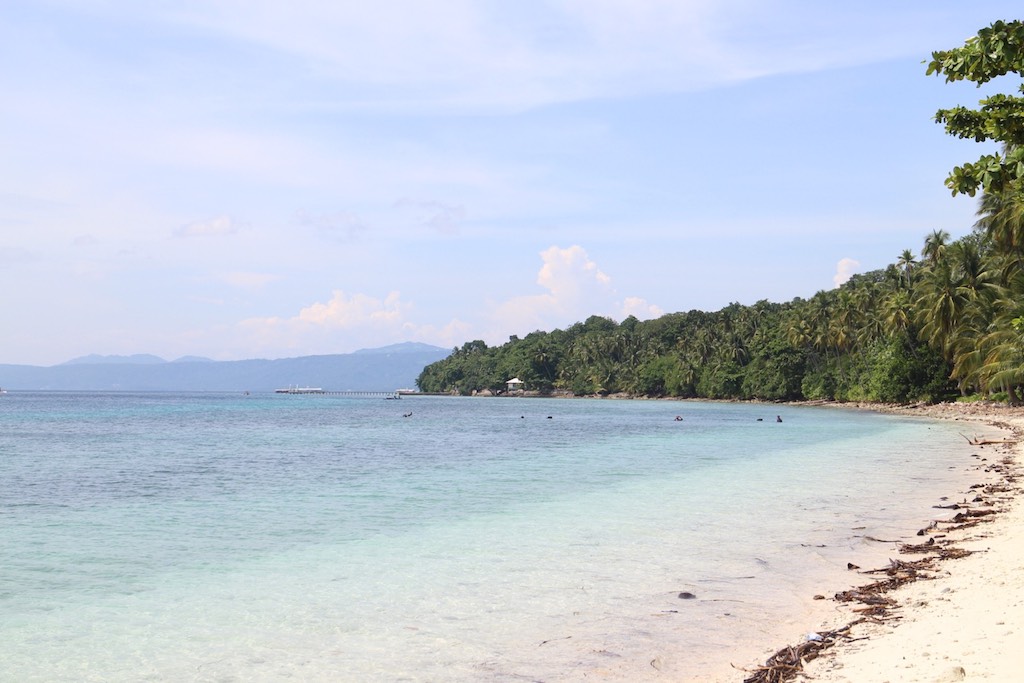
<point>946,323</point>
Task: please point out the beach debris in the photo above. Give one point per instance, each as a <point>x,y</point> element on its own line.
<point>870,597</point>
<point>878,540</point>
<point>956,673</point>
<point>970,518</point>
<point>926,547</point>
<point>551,640</point>
<point>789,661</point>
<point>978,441</point>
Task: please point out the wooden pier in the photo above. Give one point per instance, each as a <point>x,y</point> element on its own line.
<point>317,391</point>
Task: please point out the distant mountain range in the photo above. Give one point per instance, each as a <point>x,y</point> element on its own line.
<point>382,369</point>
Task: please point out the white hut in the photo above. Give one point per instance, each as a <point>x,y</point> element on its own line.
<point>514,384</point>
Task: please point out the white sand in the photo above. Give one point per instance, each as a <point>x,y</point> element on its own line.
<point>967,623</point>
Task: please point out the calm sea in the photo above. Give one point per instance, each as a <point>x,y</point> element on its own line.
<point>224,537</point>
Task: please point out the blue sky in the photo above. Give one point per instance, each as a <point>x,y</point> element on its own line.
<point>261,180</point>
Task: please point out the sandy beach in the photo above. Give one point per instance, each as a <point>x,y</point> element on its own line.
<point>950,609</point>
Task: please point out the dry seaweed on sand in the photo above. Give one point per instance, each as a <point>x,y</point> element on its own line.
<point>789,661</point>
<point>970,518</point>
<point>898,573</point>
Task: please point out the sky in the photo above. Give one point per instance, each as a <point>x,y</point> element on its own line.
<point>256,179</point>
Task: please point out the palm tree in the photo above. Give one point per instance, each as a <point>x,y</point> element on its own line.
<point>1003,367</point>
<point>1002,219</point>
<point>906,264</point>
<point>940,305</point>
<point>934,246</point>
<point>798,332</point>
<point>870,323</point>
<point>897,312</point>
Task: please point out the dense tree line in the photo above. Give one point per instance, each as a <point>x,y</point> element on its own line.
<point>948,322</point>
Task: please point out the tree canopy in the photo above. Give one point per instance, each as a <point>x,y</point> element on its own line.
<point>996,51</point>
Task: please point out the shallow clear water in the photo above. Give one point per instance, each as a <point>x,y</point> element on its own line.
<point>220,537</point>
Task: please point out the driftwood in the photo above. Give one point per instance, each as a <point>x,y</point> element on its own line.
<point>978,441</point>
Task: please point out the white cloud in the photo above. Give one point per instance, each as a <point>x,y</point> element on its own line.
<point>345,312</point>
<point>221,225</point>
<point>639,308</point>
<point>567,272</point>
<point>844,270</point>
<point>576,289</point>
<point>573,283</point>
<point>341,325</point>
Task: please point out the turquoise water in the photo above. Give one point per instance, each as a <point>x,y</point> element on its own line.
<point>217,537</point>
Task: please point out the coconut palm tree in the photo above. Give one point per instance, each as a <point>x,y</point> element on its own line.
<point>906,264</point>
<point>1002,219</point>
<point>939,305</point>
<point>1003,366</point>
<point>897,312</point>
<point>934,246</point>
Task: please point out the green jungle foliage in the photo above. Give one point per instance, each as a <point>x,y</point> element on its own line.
<point>948,323</point>
<point>996,51</point>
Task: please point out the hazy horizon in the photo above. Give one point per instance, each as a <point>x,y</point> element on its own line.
<point>153,359</point>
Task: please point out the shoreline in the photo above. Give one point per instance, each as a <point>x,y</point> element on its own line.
<point>948,609</point>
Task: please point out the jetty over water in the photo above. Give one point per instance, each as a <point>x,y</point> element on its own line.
<point>345,394</point>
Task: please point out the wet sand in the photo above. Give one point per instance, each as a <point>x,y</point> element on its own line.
<point>960,618</point>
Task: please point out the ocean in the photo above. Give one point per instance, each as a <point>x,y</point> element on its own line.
<point>266,537</point>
